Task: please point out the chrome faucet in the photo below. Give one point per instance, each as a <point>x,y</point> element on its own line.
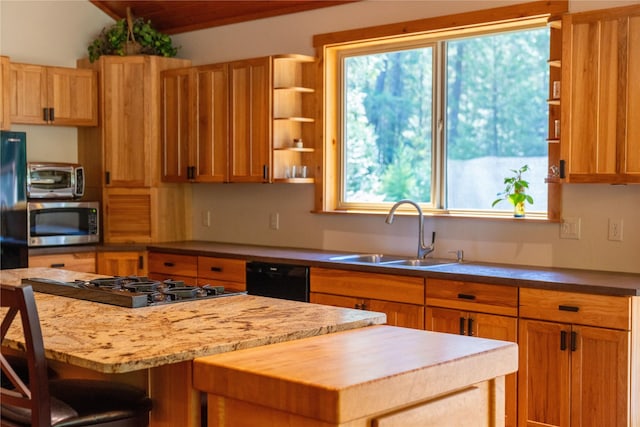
<point>423,250</point>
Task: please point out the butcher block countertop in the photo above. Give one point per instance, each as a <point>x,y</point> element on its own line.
<point>380,374</point>
<point>564,279</point>
<point>111,339</point>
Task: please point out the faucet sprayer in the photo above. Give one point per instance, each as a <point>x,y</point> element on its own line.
<point>423,249</point>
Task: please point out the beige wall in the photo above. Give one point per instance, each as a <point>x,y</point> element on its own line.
<point>240,212</point>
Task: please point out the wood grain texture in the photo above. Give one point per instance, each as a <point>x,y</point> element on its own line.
<point>472,296</point>
<point>76,261</point>
<point>410,366</point>
<point>387,287</point>
<point>594,310</point>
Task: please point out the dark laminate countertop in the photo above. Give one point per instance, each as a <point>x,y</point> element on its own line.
<point>574,280</point>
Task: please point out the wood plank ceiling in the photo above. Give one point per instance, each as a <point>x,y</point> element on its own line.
<point>179,16</point>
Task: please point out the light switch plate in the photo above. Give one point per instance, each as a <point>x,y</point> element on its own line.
<point>570,228</point>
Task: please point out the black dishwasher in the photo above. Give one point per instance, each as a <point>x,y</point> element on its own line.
<point>283,281</point>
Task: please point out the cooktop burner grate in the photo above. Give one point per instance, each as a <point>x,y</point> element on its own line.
<point>129,291</point>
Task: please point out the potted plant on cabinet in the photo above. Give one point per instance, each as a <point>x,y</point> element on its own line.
<point>131,37</point>
<point>515,192</point>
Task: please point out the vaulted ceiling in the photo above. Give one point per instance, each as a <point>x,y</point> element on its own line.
<point>179,16</point>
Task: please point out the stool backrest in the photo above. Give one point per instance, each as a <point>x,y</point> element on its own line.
<point>32,396</point>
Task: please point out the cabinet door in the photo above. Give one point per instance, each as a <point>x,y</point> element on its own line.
<point>5,97</point>
<point>599,377</point>
<point>122,263</point>
<point>543,386</point>
<point>127,105</point>
<point>73,95</point>
<point>128,216</point>
<point>398,314</point>
<point>176,124</point>
<point>484,326</point>
<point>250,146</point>
<point>28,93</point>
<point>211,129</point>
<point>600,96</point>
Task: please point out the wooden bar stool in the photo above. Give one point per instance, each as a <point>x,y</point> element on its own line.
<point>37,401</point>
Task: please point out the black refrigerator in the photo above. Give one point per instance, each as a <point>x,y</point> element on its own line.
<point>14,251</point>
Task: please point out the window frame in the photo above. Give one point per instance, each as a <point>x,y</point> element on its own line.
<point>328,46</point>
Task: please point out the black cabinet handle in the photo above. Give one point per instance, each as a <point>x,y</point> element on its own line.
<point>58,265</point>
<point>571,308</point>
<point>462,332</point>
<point>169,264</point>
<point>357,306</point>
<point>107,177</point>
<point>563,340</point>
<point>562,169</point>
<point>470,327</point>
<point>265,172</point>
<point>45,114</point>
<point>216,269</point>
<point>140,262</point>
<point>574,341</point>
<point>51,115</point>
<point>466,296</point>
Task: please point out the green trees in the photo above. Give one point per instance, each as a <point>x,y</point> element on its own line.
<point>494,106</point>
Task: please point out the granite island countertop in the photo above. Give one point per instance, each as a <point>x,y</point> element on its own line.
<point>113,339</point>
<point>564,279</point>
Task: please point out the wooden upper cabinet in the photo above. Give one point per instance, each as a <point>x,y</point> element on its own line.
<point>126,96</point>
<point>53,95</point>
<point>250,121</point>
<point>176,124</point>
<point>5,97</point>
<point>195,124</point>
<point>601,96</point>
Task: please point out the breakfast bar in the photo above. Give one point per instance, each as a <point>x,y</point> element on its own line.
<point>153,347</point>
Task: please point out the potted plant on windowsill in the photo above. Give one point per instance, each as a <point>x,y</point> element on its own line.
<point>515,192</point>
<point>131,37</point>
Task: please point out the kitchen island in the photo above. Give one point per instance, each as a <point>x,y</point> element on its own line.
<point>154,347</point>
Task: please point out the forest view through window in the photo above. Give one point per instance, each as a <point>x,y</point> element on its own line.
<point>446,145</point>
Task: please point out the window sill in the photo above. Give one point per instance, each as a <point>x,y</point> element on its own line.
<point>482,215</point>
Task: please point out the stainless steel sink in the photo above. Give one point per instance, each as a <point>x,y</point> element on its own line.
<point>391,260</point>
<point>367,258</point>
<point>426,262</point>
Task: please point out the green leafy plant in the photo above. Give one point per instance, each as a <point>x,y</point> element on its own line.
<point>117,39</point>
<point>516,188</point>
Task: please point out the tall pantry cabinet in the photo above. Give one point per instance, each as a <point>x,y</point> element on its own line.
<point>122,155</point>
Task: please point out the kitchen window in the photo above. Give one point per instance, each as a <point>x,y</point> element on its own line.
<point>439,117</point>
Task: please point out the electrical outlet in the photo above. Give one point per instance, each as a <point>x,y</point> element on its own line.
<point>274,220</point>
<point>570,228</point>
<point>206,218</point>
<point>615,229</point>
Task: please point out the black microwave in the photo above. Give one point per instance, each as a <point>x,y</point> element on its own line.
<point>62,223</point>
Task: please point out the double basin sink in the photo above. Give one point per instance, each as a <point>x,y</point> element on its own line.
<point>390,260</point>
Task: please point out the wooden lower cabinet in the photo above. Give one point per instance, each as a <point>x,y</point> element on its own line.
<point>478,310</point>
<point>227,272</point>
<point>399,297</point>
<point>578,365</point>
<point>398,314</point>
<point>198,270</point>
<point>76,261</point>
<point>122,263</point>
<point>573,375</point>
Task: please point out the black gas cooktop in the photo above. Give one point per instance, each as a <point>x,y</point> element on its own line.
<point>129,291</point>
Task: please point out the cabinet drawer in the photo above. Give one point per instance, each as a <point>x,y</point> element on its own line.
<point>173,265</point>
<point>79,261</point>
<point>494,299</point>
<point>570,307</point>
<point>224,269</point>
<point>385,287</point>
